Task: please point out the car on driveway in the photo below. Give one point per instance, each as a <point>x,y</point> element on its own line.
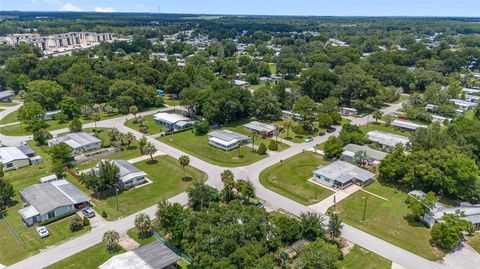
<point>88,212</point>
<point>321,133</point>
<point>331,130</point>
<point>308,139</point>
<point>42,231</point>
<point>259,204</point>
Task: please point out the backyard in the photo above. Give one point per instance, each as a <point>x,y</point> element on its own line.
<point>387,220</point>
<point>164,185</point>
<point>290,178</point>
<point>89,258</point>
<point>198,146</point>
<point>360,258</point>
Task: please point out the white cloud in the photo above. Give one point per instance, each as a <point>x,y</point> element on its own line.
<point>70,7</point>
<point>104,9</point>
<point>52,1</point>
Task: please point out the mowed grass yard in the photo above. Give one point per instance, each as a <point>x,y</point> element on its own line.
<point>474,241</point>
<point>387,219</point>
<point>290,178</point>
<point>11,249</point>
<point>89,258</point>
<point>360,258</point>
<point>10,118</point>
<point>198,146</point>
<point>372,126</point>
<point>153,128</point>
<point>259,139</point>
<point>166,176</point>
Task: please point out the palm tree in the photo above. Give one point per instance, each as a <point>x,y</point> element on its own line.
<point>150,150</point>
<point>143,224</point>
<point>287,124</point>
<point>377,115</point>
<point>184,161</point>
<point>253,134</point>
<point>112,134</point>
<point>110,238</point>
<point>360,156</point>
<point>130,138</point>
<point>95,117</point>
<point>133,110</point>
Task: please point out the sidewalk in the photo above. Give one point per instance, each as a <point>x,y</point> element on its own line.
<point>339,195</point>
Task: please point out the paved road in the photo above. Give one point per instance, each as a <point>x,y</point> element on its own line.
<point>469,259</point>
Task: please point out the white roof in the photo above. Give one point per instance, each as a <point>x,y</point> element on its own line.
<point>28,212</point>
<point>343,172</point>
<point>75,140</point>
<point>463,103</point>
<point>240,82</point>
<point>407,124</point>
<point>259,126</point>
<point>387,139</point>
<point>170,118</point>
<point>226,136</point>
<point>9,154</point>
<point>128,260</point>
<point>471,90</point>
<point>222,142</point>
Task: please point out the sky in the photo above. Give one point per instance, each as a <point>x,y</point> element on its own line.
<point>465,8</point>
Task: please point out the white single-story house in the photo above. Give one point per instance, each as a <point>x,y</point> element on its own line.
<point>241,83</point>
<point>435,214</point>
<point>342,174</point>
<point>291,115</point>
<point>49,178</point>
<point>6,96</point>
<point>463,104</point>
<point>476,75</point>
<point>472,98</point>
<point>172,121</point>
<point>262,128</point>
<point>430,107</point>
<point>372,156</point>
<point>226,139</point>
<point>406,125</point>
<point>13,158</point>
<point>388,140</point>
<point>471,90</point>
<point>441,119</point>
<point>51,114</point>
<point>348,111</point>
<point>79,142</point>
<point>154,255</point>
<point>130,176</point>
<point>44,201</point>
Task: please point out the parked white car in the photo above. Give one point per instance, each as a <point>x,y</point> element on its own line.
<point>42,231</point>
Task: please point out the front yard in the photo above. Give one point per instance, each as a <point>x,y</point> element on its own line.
<point>166,176</point>
<point>372,126</point>
<point>360,258</point>
<point>153,128</point>
<point>290,178</point>
<point>198,146</point>
<point>474,241</point>
<point>91,257</point>
<point>387,219</point>
<point>258,140</point>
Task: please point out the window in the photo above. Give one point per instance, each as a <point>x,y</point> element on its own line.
<point>9,165</point>
<point>51,214</point>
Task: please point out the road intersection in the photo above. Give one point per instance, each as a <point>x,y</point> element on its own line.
<point>464,258</point>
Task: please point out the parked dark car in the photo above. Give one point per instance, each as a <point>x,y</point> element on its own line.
<point>331,130</point>
<point>321,133</point>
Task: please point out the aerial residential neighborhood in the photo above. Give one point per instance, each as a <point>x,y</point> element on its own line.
<point>272,134</point>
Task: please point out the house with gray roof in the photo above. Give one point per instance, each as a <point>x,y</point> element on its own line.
<point>342,174</point>
<point>372,156</point>
<point>130,176</point>
<point>388,140</point>
<point>226,139</point>
<point>266,129</point>
<point>154,255</point>
<point>406,125</point>
<point>13,158</point>
<point>6,96</point>
<point>79,142</point>
<point>49,200</point>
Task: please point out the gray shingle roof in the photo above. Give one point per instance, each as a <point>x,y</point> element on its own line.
<point>343,172</point>
<point>156,255</point>
<point>371,153</point>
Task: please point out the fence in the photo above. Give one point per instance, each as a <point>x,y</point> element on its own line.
<point>170,246</point>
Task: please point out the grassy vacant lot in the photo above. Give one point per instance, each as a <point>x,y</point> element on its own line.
<point>372,126</point>
<point>165,175</point>
<point>199,147</point>
<point>289,178</point>
<point>360,258</point>
<point>89,258</point>
<point>153,128</point>
<point>127,153</point>
<point>387,219</point>
<point>474,241</point>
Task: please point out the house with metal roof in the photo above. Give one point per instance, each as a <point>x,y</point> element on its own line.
<point>172,121</point>
<point>406,125</point>
<point>130,176</point>
<point>372,156</point>
<point>79,142</point>
<point>388,140</point>
<point>154,255</point>
<point>6,96</point>
<point>49,200</point>
<point>226,139</point>
<point>342,174</point>
<point>241,83</point>
<point>267,129</point>
<point>13,158</point>
<point>463,104</point>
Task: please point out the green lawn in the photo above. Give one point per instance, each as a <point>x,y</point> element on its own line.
<point>153,128</point>
<point>372,126</point>
<point>387,219</point>
<point>360,258</point>
<point>199,147</point>
<point>126,153</point>
<point>290,178</point>
<point>10,104</point>
<point>89,258</point>
<point>273,68</point>
<point>474,241</point>
<point>12,117</point>
<point>401,99</point>
<point>134,234</point>
<point>241,130</point>
<point>165,175</point>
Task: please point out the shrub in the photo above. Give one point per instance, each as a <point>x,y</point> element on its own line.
<point>86,221</point>
<point>273,145</point>
<point>262,149</point>
<point>104,214</point>
<point>76,223</point>
<point>200,127</point>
